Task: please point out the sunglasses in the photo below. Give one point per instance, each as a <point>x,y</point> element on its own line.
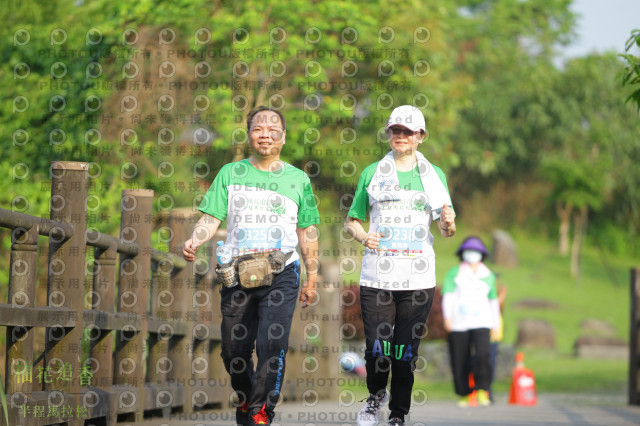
<point>401,131</point>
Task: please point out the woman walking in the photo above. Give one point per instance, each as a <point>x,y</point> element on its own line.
<point>402,194</point>
<point>471,311</point>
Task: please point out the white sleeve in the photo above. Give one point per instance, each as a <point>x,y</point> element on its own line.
<point>447,305</point>
<point>494,305</point>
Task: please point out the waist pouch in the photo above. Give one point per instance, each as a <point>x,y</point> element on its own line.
<point>253,270</point>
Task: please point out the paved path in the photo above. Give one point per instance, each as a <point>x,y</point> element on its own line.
<point>551,410</point>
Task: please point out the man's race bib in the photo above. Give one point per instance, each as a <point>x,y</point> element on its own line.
<point>256,239</point>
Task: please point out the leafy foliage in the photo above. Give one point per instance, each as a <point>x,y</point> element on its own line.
<point>631,72</point>
<point>497,109</point>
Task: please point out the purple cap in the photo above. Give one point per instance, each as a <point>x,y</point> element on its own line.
<point>473,243</point>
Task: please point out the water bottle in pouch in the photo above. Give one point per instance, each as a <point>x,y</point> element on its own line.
<point>224,253</point>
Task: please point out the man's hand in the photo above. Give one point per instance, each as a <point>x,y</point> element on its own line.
<point>189,250</point>
<point>308,294</point>
<point>308,240</point>
<point>203,231</point>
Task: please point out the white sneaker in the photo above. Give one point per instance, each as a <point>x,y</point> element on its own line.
<point>370,413</point>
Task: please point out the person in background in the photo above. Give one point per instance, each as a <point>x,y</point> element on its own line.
<point>471,312</point>
<point>402,194</point>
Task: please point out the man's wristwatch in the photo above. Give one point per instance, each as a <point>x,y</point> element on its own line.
<point>364,240</point>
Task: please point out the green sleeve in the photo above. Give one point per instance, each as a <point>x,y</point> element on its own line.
<point>491,282</point>
<point>443,179</point>
<point>308,211</point>
<point>449,285</point>
<point>215,200</point>
<point>360,205</point>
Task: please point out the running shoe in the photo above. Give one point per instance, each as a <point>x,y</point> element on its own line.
<point>261,418</point>
<point>483,398</point>
<point>396,422</point>
<point>370,413</point>
<point>242,414</point>
<point>463,401</point>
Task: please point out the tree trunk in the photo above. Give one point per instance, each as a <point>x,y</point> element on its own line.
<point>564,214</point>
<point>580,227</point>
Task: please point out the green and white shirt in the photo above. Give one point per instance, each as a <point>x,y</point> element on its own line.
<point>262,209</point>
<point>409,181</point>
<point>401,206</point>
<point>469,298</point>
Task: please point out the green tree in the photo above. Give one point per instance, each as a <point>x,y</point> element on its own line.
<point>506,49</point>
<point>583,159</point>
<point>631,71</point>
<point>334,69</point>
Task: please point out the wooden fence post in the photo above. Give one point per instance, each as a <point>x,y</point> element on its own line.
<point>133,293</point>
<point>22,293</point>
<point>103,299</point>
<point>182,287</point>
<point>158,363</point>
<point>66,276</point>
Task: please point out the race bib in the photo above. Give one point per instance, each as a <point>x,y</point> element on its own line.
<point>399,241</point>
<point>256,239</point>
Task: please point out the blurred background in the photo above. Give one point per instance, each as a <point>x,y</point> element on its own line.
<point>527,114</point>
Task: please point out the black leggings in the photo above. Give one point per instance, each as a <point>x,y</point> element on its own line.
<point>460,344</point>
<point>394,323</point>
<point>260,317</point>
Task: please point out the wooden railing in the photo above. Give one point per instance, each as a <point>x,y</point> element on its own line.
<point>153,325</point>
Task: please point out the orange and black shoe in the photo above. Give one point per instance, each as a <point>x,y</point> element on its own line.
<point>242,414</point>
<point>260,418</point>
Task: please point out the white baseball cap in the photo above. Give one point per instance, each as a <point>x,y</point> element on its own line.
<point>407,116</point>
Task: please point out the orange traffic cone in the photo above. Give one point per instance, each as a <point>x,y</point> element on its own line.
<point>523,384</point>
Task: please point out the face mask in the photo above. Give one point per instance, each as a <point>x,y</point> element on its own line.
<point>471,256</point>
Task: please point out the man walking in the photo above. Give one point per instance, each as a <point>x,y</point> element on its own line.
<point>269,206</point>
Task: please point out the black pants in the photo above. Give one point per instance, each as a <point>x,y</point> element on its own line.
<point>260,317</point>
<point>493,359</point>
<point>394,323</point>
<point>460,346</point>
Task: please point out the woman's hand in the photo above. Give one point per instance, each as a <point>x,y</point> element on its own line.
<point>372,240</point>
<point>447,325</point>
<point>447,222</point>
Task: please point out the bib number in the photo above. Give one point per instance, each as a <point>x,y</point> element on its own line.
<point>256,239</point>
<point>399,241</point>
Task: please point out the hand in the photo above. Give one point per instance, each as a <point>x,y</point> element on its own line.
<point>373,240</point>
<point>447,218</point>
<point>495,332</point>
<point>189,250</point>
<point>447,325</point>
<point>308,294</point>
